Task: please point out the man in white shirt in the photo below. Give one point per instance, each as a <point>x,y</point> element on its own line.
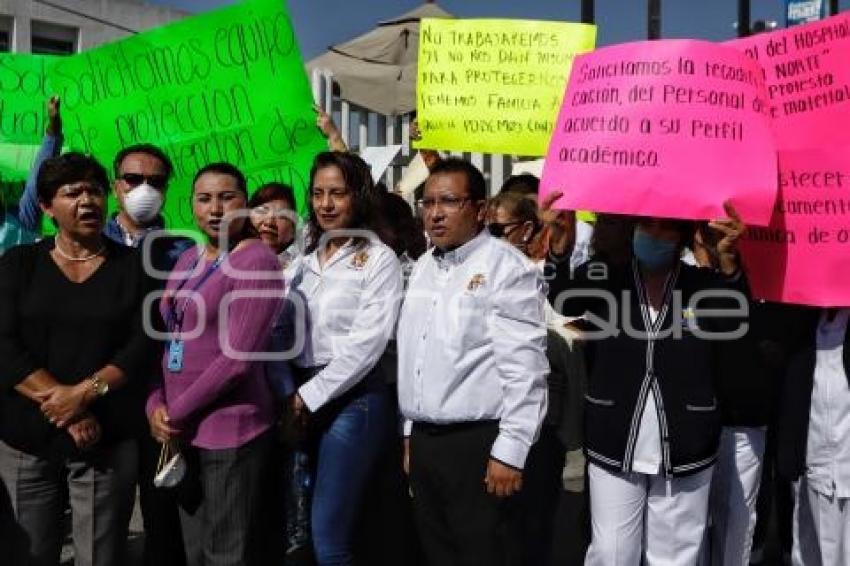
<point>472,375</point>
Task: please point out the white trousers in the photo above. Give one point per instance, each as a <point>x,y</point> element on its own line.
<point>663,519</point>
<point>734,492</point>
<point>821,528</point>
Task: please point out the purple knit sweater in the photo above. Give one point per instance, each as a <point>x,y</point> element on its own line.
<point>219,401</point>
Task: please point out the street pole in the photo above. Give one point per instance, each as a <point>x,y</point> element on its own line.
<point>833,7</point>
<point>743,18</point>
<point>653,27</point>
<point>588,11</point>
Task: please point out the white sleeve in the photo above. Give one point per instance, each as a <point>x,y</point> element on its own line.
<point>518,330</point>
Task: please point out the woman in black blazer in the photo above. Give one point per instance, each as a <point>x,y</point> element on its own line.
<point>651,418</point>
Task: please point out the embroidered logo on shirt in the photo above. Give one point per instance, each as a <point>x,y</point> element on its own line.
<point>359,260</point>
<point>477,281</point>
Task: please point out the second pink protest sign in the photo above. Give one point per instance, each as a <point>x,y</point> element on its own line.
<point>665,128</point>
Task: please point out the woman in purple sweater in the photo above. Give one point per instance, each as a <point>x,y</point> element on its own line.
<point>219,306</point>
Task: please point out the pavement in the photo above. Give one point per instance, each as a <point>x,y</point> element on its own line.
<point>569,544</point>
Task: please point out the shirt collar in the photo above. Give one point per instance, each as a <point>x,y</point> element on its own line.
<point>460,254</point>
<point>115,231</point>
<point>348,248</point>
<point>293,248</point>
<point>289,254</point>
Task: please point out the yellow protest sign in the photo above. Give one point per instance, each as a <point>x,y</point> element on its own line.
<point>494,86</point>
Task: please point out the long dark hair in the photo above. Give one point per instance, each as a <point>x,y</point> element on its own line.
<point>358,180</point>
<point>399,228</point>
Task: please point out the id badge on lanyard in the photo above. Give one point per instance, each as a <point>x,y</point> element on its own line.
<point>175,355</point>
<point>175,345</point>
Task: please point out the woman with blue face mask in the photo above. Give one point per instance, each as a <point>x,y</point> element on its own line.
<point>652,423</point>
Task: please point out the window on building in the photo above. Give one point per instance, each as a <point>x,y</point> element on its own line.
<point>53,39</point>
<point>5,33</point>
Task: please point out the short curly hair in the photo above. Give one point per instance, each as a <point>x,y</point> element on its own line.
<point>475,183</point>
<point>71,167</point>
<point>147,149</point>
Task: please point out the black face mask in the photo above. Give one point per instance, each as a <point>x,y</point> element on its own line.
<point>499,230</point>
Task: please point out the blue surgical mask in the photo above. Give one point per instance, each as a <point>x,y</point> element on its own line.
<point>653,254</point>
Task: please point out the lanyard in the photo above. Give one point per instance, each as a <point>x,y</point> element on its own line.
<point>175,314</point>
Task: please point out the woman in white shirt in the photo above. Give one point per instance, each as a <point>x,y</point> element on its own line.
<point>351,284</point>
<point>813,439</point>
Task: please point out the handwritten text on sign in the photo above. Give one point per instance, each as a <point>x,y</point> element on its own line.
<point>664,128</point>
<point>494,86</point>
<point>808,80</point>
<point>23,94</point>
<point>227,85</point>
<point>23,116</point>
<point>803,256</point>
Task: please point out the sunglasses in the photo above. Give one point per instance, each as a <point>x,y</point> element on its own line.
<point>499,230</point>
<point>136,179</point>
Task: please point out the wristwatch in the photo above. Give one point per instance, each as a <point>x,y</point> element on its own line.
<point>99,386</point>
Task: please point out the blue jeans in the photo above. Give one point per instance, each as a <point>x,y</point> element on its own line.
<point>347,452</point>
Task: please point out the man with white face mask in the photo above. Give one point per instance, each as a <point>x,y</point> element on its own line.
<point>141,178</point>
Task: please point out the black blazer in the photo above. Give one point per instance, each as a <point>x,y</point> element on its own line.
<point>751,370</point>
<point>792,426</point>
<point>680,368</point>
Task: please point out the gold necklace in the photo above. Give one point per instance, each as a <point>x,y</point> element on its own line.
<point>69,257</point>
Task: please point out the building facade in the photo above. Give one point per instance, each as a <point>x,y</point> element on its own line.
<point>57,27</point>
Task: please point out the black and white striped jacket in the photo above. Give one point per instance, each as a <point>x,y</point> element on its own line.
<point>669,356</point>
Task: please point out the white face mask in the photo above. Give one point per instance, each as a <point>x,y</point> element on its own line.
<point>143,203</point>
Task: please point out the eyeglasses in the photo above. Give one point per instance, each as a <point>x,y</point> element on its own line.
<point>448,204</point>
<point>136,179</point>
<point>77,190</point>
<point>499,229</point>
<point>277,212</point>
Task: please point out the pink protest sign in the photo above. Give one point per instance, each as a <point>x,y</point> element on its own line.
<point>803,255</point>
<point>808,81</point>
<point>664,128</point>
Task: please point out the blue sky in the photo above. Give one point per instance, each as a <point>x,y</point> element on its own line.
<point>320,23</point>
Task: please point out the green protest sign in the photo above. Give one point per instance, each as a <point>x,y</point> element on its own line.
<point>227,85</point>
<point>24,90</point>
<point>23,116</point>
<point>15,161</point>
